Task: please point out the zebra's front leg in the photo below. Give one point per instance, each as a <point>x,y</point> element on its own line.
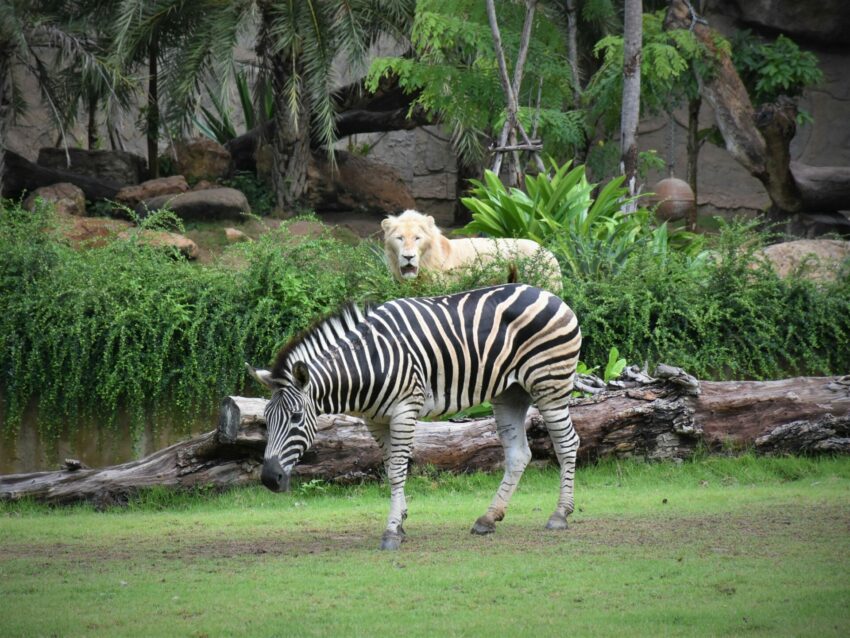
<point>565,440</point>
<point>510,409</point>
<point>400,444</point>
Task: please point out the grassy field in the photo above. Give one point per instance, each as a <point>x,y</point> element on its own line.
<point>714,547</point>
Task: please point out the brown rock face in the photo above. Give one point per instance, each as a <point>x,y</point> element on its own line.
<point>211,203</point>
<point>202,158</point>
<point>822,21</point>
<point>358,184</point>
<point>66,198</point>
<point>132,195</point>
<point>823,257</point>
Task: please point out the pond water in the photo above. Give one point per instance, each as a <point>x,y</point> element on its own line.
<point>94,443</point>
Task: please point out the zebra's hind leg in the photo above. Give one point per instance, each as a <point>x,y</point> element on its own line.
<point>510,409</point>
<point>556,414</point>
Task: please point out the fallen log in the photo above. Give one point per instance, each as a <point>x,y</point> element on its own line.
<point>22,175</point>
<point>638,416</point>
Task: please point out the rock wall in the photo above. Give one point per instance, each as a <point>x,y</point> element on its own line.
<point>425,160</point>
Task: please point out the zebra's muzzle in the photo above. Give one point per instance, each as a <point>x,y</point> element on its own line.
<point>274,476</point>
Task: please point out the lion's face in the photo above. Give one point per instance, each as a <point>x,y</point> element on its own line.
<point>407,239</point>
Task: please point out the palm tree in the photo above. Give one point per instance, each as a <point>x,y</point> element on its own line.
<point>42,38</point>
<point>297,42</point>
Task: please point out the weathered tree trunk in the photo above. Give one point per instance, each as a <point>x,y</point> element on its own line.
<point>630,112</point>
<point>91,127</point>
<point>289,138</point>
<point>152,132</point>
<point>654,419</point>
<point>572,49</point>
<point>693,146</point>
<point>759,140</point>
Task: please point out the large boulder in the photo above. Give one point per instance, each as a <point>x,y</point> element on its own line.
<point>211,203</point>
<point>112,166</point>
<point>823,257</point>
<point>65,198</point>
<point>132,195</point>
<point>821,21</point>
<point>202,158</point>
<point>356,183</point>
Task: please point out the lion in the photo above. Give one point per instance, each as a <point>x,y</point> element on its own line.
<point>413,243</point>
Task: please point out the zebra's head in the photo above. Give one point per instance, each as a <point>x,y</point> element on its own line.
<point>291,423</point>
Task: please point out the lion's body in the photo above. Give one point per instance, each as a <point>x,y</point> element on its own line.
<point>414,243</point>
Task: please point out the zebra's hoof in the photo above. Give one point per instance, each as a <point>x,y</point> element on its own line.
<point>391,540</point>
<point>483,526</point>
<point>557,521</point>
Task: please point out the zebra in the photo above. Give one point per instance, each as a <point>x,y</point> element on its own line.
<point>409,358</point>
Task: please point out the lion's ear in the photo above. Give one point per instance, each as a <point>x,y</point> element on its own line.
<point>431,222</point>
<point>388,224</point>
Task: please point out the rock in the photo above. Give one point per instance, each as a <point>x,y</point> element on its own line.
<point>66,198</point>
<point>90,232</point>
<point>203,185</point>
<point>823,21</point>
<point>162,238</point>
<point>233,235</point>
<point>212,203</point>
<point>132,195</point>
<point>811,224</point>
<point>202,158</point>
<point>823,257</point>
<point>116,166</point>
<point>358,184</point>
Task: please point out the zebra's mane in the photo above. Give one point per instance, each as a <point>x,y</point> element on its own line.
<point>320,337</point>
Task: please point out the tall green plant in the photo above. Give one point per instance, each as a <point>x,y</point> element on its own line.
<point>590,235</point>
<point>218,124</point>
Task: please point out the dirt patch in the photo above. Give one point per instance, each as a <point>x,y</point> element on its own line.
<point>757,534</point>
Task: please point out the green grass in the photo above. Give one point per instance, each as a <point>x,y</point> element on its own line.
<point>714,547</point>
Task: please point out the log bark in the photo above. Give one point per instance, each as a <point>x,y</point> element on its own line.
<point>21,175</point>
<point>669,417</point>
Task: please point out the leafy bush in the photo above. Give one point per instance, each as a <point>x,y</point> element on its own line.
<point>590,236</point>
<point>773,69</point>
<point>218,125</point>
<point>256,191</point>
<point>727,319</point>
<point>131,326</point>
<point>127,326</point>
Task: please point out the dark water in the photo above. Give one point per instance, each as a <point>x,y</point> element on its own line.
<point>94,443</point>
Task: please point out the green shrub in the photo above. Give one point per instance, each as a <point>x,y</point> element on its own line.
<point>126,326</point>
<point>590,235</point>
<point>724,320</point>
<point>131,326</point>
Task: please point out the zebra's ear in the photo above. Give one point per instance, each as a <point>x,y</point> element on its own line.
<point>301,374</point>
<point>263,377</point>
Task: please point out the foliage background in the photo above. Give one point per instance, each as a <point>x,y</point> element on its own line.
<point>89,332</point>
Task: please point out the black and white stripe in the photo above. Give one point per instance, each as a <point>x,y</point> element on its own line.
<point>410,358</point>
